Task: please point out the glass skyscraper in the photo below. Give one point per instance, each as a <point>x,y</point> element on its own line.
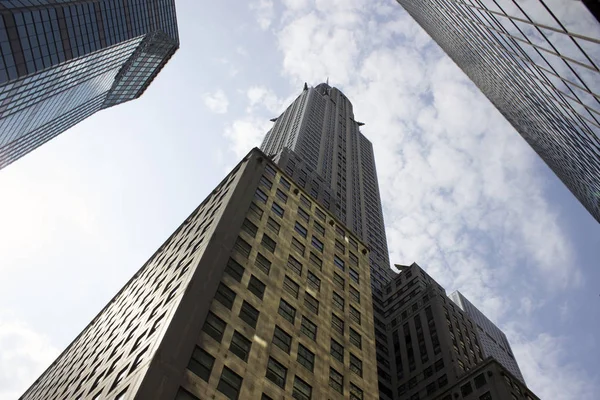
<point>62,61</point>
<point>537,62</point>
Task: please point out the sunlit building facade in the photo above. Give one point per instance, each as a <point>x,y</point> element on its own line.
<point>62,61</point>
<point>537,62</point>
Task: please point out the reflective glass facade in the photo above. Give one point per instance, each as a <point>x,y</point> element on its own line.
<point>63,60</point>
<point>537,61</point>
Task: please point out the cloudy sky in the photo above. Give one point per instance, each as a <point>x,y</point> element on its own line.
<point>463,194</point>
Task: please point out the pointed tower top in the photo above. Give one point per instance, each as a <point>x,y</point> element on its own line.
<point>327,82</point>
<point>305,86</point>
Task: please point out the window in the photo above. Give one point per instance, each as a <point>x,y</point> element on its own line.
<point>303,214</point>
<point>336,380</point>
<point>270,171</point>
<point>240,346</point>
<point>282,340</point>
<point>230,384</point>
<point>182,394</point>
<point>427,372</point>
<point>294,265</point>
<point>338,281</point>
<point>479,381</point>
<point>249,228</point>
<point>338,302</point>
<point>337,324</point>
<point>242,247</point>
<point>442,381</point>
<point>317,244</point>
<point>340,247</point>
<point>355,315</point>
<point>319,228</point>
<point>337,351</point>
<point>301,230</point>
<point>214,326</point>
<point>308,328</point>
<point>486,396</point>
<point>266,182</point>
<point>311,303</point>
<point>284,182</point>
<point>354,295</point>
<point>260,196</point>
<point>355,365</point>
<point>339,263</point>
<point>256,287</point>
<point>313,281</point>
<point>355,338</point>
<point>354,275</point>
<point>315,260</point>
<point>306,358</point>
<point>320,214</point>
<point>305,201</point>
<point>281,196</point>
<point>201,363</point>
<point>466,389</point>
<point>273,225</point>
<point>431,388</point>
<point>299,247</point>
<point>263,263</point>
<point>439,364</point>
<point>277,209</point>
<point>249,314</point>
<point>353,259</point>
<point>225,296</point>
<point>302,390</point>
<point>276,372</point>
<point>356,393</point>
<point>340,231</point>
<point>291,287</point>
<point>268,243</point>
<point>286,311</point>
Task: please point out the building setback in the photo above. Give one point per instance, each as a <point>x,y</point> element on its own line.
<point>259,292</point>
<point>493,341</point>
<point>62,61</point>
<point>538,69</point>
<point>317,141</point>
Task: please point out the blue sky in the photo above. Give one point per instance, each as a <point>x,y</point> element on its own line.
<point>464,196</point>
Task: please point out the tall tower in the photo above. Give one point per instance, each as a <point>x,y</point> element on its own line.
<point>62,61</point>
<point>540,72</point>
<point>318,142</point>
<point>493,341</point>
<point>259,294</point>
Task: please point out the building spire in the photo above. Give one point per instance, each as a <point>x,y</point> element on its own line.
<point>327,82</point>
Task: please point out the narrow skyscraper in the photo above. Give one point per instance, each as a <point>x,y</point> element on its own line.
<point>318,142</point>
<point>62,61</point>
<point>539,70</point>
<point>493,341</point>
<point>259,294</point>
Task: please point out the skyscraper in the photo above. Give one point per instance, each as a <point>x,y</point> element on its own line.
<point>318,142</point>
<point>260,293</point>
<point>62,61</point>
<point>538,68</point>
<point>493,341</point>
<point>429,348</point>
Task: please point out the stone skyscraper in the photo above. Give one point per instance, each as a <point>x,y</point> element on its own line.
<point>318,142</point>
<point>540,70</point>
<point>493,341</point>
<point>62,61</point>
<point>259,294</point>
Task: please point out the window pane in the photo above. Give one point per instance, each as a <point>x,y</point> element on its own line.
<point>225,296</point>
<point>282,340</point>
<point>336,380</point>
<point>276,372</point>
<point>308,328</point>
<point>201,363</point>
<point>214,326</point>
<point>230,384</point>
<point>291,287</point>
<point>263,263</point>
<point>240,346</point>
<point>249,314</point>
<point>256,287</point>
<point>306,358</point>
<point>302,390</point>
<point>287,311</point>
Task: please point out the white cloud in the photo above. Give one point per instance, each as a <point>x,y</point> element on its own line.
<point>25,355</point>
<point>246,133</point>
<point>216,102</point>
<point>264,11</point>
<point>464,198</point>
